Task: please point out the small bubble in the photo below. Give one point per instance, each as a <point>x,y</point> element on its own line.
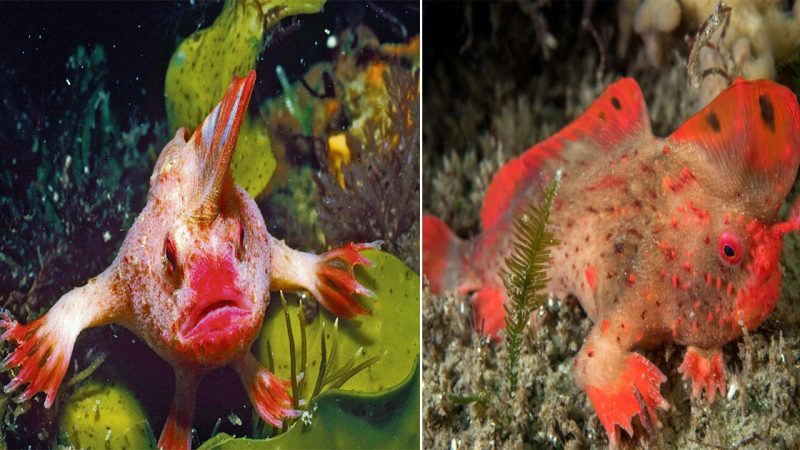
<point>331,42</point>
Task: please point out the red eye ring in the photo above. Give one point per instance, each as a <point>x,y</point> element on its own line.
<point>730,248</point>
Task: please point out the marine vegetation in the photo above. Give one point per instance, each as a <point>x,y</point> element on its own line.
<point>70,202</point>
<point>356,120</point>
<point>68,183</point>
<point>190,279</point>
<point>201,65</point>
<point>521,100</point>
<point>525,278</point>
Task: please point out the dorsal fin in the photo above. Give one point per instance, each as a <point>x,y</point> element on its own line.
<point>617,115</point>
<point>216,140</point>
<point>750,134</point>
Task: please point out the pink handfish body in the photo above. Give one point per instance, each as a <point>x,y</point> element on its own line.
<point>662,240</point>
<point>192,279</point>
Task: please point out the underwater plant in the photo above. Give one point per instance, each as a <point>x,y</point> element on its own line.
<point>525,277</point>
<point>67,200</point>
<point>381,197</point>
<point>78,186</point>
<point>368,356</point>
<point>202,63</point>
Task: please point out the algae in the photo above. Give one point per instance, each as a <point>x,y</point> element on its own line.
<point>390,332</point>
<point>201,68</point>
<point>104,415</point>
<point>340,419</point>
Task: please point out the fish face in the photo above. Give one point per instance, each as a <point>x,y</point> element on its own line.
<point>216,284</point>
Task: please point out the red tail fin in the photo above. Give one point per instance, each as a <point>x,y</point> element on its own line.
<point>440,254</point>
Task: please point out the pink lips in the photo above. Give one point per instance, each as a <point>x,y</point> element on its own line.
<point>218,306</point>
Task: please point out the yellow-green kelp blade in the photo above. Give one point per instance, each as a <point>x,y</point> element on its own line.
<point>104,415</point>
<point>387,419</point>
<point>391,332</point>
<point>203,65</point>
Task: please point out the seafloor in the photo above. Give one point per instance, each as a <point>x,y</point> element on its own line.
<point>489,93</point>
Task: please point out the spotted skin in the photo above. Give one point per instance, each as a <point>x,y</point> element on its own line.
<point>192,279</point>
<point>662,240</point>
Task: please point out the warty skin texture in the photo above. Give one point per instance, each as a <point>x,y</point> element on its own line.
<point>192,279</point>
<point>661,240</point>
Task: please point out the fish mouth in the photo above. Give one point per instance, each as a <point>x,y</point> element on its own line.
<point>215,315</point>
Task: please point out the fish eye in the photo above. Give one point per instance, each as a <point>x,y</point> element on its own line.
<point>170,255</point>
<point>730,248</point>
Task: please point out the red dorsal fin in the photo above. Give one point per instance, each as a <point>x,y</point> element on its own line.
<point>750,134</point>
<point>616,116</point>
<point>216,140</point>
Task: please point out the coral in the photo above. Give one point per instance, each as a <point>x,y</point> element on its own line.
<point>654,21</point>
<point>755,38</point>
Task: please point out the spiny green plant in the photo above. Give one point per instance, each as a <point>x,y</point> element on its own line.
<point>328,378</point>
<point>525,277</point>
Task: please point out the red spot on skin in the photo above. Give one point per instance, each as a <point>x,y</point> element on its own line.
<point>669,252</point>
<point>719,283</point>
<point>696,305</point>
<point>727,218</point>
<point>729,289</point>
<point>684,179</point>
<point>589,352</point>
<point>710,318</point>
<point>695,326</point>
<point>702,214</point>
<point>591,277</point>
<point>673,222</point>
<point>631,279</point>
<point>674,327</point>
<point>665,150</point>
<point>604,326</point>
<point>686,286</point>
<point>687,266</point>
<point>675,281</point>
<point>662,273</point>
<point>708,278</point>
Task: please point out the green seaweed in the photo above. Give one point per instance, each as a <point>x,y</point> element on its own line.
<point>391,332</point>
<point>201,67</point>
<point>339,419</point>
<point>525,277</point>
<point>78,188</point>
<point>104,415</point>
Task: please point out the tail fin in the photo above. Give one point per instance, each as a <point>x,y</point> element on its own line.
<point>441,251</point>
